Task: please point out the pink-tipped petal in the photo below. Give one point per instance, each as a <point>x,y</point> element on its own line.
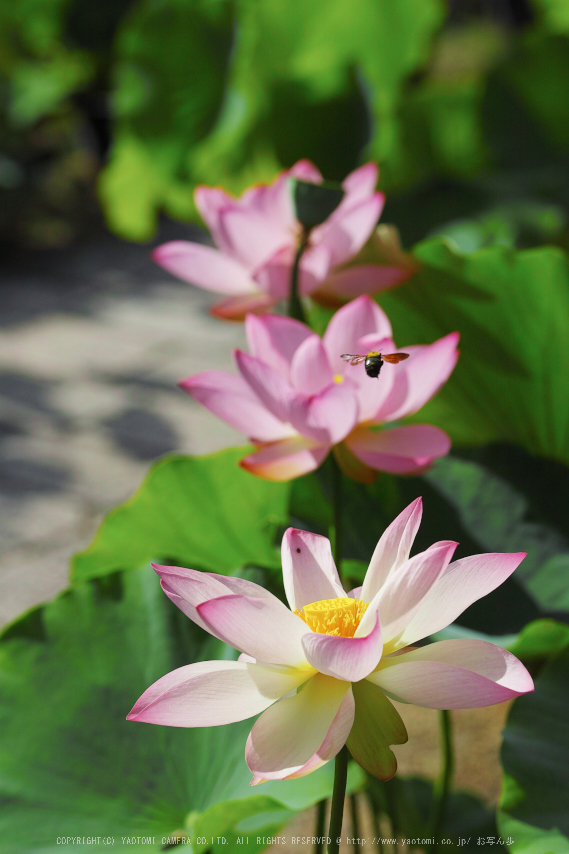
<point>210,201</point>
<point>269,386</point>
<point>309,571</point>
<point>350,659</point>
<point>377,725</point>
<point>231,399</point>
<point>274,340</point>
<point>286,737</point>
<point>399,599</point>
<point>212,693</point>
<point>262,628</point>
<point>236,308</point>
<point>305,170</point>
<point>360,317</point>
<point>326,417</point>
<point>418,378</point>
<point>463,582</point>
<point>345,232</point>
<point>310,370</point>
<point>454,674</point>
<point>363,279</point>
<point>188,588</point>
<point>360,184</point>
<point>286,459</point>
<point>393,549</point>
<point>402,450</point>
<point>205,267</point>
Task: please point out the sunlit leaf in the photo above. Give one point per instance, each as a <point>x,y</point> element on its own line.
<point>201,512</point>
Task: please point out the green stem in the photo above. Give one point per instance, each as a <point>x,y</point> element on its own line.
<point>338,797</point>
<point>320,827</point>
<point>295,308</point>
<point>442,789</point>
<point>337,513</point>
<point>355,824</point>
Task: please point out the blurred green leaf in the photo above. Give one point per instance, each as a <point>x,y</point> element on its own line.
<point>71,765</point>
<point>167,95</point>
<point>202,512</point>
<point>512,310</point>
<point>535,757</point>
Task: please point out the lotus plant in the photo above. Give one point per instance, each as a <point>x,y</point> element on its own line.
<point>257,235</point>
<point>323,671</point>
<point>296,399</point>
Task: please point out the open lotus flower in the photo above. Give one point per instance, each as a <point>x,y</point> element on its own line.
<point>296,399</point>
<point>257,236</point>
<point>322,671</point>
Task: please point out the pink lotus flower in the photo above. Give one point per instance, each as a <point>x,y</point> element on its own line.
<point>257,237</point>
<point>333,659</point>
<point>296,399</point>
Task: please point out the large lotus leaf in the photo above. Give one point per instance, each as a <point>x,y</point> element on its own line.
<point>70,763</point>
<point>497,517</point>
<point>512,311</point>
<point>201,512</point>
<point>535,757</point>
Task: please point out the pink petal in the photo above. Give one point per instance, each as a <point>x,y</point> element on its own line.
<point>235,308</point>
<point>286,459</point>
<point>274,276</point>
<point>377,724</point>
<point>269,386</point>
<point>252,235</point>
<point>310,370</point>
<point>211,693</point>
<point>188,588</point>
<point>262,628</point>
<point>360,184</point>
<point>393,549</point>
<point>454,674</point>
<point>287,736</point>
<point>402,450</point>
<point>326,417</point>
<point>209,202</point>
<point>305,170</point>
<point>346,231</point>
<point>351,659</point>
<point>274,340</point>
<point>371,392</point>
<point>419,377</point>
<point>309,571</point>
<point>231,399</point>
<point>360,317</point>
<point>464,582</point>
<point>400,598</point>
<point>363,279</point>
<point>205,267</point>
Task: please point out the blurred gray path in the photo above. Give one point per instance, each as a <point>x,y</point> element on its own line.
<point>92,343</point>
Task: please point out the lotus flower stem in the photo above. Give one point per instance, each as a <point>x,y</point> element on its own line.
<point>442,789</point>
<point>338,797</point>
<point>320,826</point>
<point>355,823</point>
<point>295,309</point>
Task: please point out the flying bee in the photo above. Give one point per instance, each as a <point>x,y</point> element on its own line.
<point>374,360</point>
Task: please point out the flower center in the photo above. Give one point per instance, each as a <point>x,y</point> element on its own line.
<point>338,378</point>
<point>339,617</point>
